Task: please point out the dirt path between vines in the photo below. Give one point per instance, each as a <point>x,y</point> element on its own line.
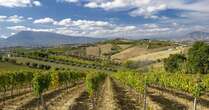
<point>124,98</point>
<point>108,102</point>
<point>51,96</point>
<point>66,99</point>
<point>180,98</point>
<point>165,102</point>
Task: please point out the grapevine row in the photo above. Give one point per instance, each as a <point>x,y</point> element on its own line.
<point>41,81</point>
<point>183,82</point>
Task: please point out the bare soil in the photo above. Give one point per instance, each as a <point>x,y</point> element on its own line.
<point>107,98</point>
<point>183,98</point>
<point>124,99</point>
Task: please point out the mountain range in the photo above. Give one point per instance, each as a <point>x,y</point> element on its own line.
<point>34,39</point>
<point>194,36</point>
<point>44,39</point>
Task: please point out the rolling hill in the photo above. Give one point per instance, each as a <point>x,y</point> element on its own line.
<point>31,39</point>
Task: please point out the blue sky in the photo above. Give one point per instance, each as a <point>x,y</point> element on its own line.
<point>105,18</point>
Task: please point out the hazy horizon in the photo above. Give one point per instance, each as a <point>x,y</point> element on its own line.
<point>105,18</point>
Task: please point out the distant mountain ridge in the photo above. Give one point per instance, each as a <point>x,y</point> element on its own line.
<point>194,36</point>
<point>30,38</point>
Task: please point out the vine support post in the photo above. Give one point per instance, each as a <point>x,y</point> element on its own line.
<point>145,95</point>
<point>43,103</point>
<point>195,104</point>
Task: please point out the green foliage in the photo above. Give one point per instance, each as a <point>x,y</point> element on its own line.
<point>4,81</point>
<point>130,64</point>
<point>136,64</point>
<point>38,54</point>
<point>205,82</point>
<point>93,80</point>
<point>13,79</point>
<point>198,58</point>
<point>1,58</point>
<point>41,82</point>
<point>132,79</point>
<point>183,82</point>
<point>54,79</point>
<point>174,62</point>
<point>192,84</point>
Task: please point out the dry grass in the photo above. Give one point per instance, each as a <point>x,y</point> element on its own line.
<point>136,52</point>
<point>94,50</point>
<point>106,48</point>
<point>130,53</point>
<point>124,46</point>
<point>157,55</point>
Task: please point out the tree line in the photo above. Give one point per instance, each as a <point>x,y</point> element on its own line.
<point>195,61</point>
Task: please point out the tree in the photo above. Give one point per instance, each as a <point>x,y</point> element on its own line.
<point>131,64</point>
<point>198,58</point>
<point>174,62</point>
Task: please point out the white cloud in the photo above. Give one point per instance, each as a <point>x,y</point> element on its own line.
<point>37,3</point>
<point>148,11</point>
<point>23,28</point>
<point>92,5</point>
<point>46,20</point>
<point>17,28</point>
<point>19,3</point>
<point>29,18</point>
<point>2,18</point>
<point>12,33</point>
<point>84,23</point>
<point>149,8</point>
<point>151,26</point>
<point>69,1</point>
<point>93,28</point>
<point>96,29</point>
<point>13,19</point>
<point>65,22</point>
<point>3,36</point>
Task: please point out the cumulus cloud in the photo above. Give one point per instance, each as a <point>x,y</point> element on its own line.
<point>24,28</point>
<point>17,28</point>
<point>98,28</point>
<point>37,3</point>
<point>93,28</point>
<point>146,8</point>
<point>19,3</point>
<point>46,20</point>
<point>12,19</point>
<point>84,24</point>
<point>15,19</point>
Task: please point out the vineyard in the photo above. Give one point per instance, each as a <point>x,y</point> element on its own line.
<point>90,90</point>
<point>46,81</point>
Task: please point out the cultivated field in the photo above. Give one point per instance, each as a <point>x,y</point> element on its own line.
<point>129,53</point>
<point>4,67</point>
<point>159,55</point>
<point>46,80</point>
<point>99,49</point>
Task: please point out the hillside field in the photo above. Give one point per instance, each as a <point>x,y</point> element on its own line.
<point>54,79</point>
